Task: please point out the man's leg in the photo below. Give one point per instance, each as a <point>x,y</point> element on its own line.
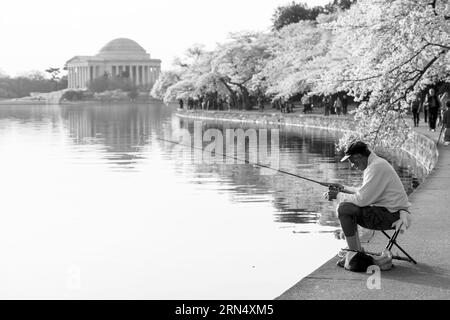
<point>433,118</point>
<point>347,213</point>
<point>430,119</point>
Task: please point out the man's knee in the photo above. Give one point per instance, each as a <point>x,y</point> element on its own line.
<point>346,209</point>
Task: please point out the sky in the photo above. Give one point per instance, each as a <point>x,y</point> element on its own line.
<point>36,35</point>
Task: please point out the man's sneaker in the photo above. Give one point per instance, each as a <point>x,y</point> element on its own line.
<point>384,262</point>
<point>343,252</point>
<point>341,262</point>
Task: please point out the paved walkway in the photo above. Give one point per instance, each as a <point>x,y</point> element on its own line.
<point>427,240</point>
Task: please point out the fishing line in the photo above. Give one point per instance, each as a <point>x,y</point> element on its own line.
<point>325,184</point>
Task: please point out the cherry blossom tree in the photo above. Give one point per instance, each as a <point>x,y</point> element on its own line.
<point>165,80</point>
<point>295,49</point>
<point>240,61</point>
<point>390,50</point>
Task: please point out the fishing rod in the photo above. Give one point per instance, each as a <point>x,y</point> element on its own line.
<point>325,184</point>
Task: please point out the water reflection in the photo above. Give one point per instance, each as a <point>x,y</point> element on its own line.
<point>122,136</point>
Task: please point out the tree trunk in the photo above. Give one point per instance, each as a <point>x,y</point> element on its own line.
<point>245,97</point>
<point>232,93</point>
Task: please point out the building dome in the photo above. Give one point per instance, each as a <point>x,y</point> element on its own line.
<point>122,47</point>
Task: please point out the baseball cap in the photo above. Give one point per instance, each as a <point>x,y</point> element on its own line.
<point>354,148</point>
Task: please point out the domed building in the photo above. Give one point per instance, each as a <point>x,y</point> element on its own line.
<point>120,57</point>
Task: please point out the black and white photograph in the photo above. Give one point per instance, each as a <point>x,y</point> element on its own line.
<point>225,155</point>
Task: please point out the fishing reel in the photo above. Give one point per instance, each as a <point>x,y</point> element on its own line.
<point>335,188</point>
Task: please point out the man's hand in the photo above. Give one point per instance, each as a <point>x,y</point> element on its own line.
<point>336,186</point>
<point>339,234</point>
<point>331,194</point>
<point>403,223</point>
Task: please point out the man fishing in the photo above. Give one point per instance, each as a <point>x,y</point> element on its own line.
<point>381,203</point>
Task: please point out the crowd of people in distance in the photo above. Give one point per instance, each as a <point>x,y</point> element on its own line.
<point>337,105</point>
<point>435,109</point>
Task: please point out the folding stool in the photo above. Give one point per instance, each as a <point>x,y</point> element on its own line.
<point>393,241</point>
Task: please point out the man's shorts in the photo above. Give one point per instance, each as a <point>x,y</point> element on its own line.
<point>376,218</point>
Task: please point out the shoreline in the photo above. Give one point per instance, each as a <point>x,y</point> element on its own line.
<point>332,282</point>
<point>71,103</point>
<point>419,146</point>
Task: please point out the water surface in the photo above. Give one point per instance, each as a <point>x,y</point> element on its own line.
<point>95,206</point>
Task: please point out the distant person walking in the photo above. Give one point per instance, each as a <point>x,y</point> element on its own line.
<point>344,104</point>
<point>196,102</point>
<point>446,123</point>
<point>415,110</point>
<point>338,106</point>
<point>327,103</point>
<point>432,102</point>
<point>306,100</point>
<point>282,105</point>
<point>229,102</point>
<point>443,98</point>
<point>260,103</point>
<point>291,106</point>
<point>190,103</point>
<point>425,110</point>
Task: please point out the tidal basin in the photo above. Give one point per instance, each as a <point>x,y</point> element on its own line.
<point>95,206</point>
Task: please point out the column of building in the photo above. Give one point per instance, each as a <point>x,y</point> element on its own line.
<point>136,75</point>
<point>69,78</point>
<point>139,75</point>
<point>86,76</point>
<point>81,77</point>
<point>146,75</point>
<point>130,72</point>
<point>74,84</point>
<point>75,69</point>
<point>72,77</point>
<point>154,75</point>
<point>86,72</point>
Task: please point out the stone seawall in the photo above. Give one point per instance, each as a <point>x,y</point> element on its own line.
<point>418,146</point>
